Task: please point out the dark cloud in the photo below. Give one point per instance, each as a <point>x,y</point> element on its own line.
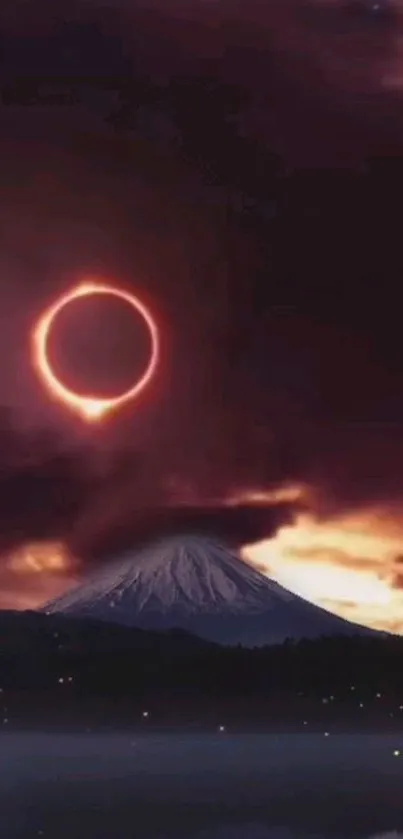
<point>235,526</point>
<point>44,483</point>
<point>313,99</point>
<point>281,350</point>
<point>99,504</point>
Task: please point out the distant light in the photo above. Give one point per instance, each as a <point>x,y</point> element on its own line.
<point>61,680</point>
<point>221,728</point>
<point>305,722</point>
<point>70,679</point>
<point>352,687</point>
<point>400,707</point>
<point>326,734</point>
<point>331,698</point>
<point>5,720</point>
<point>396,753</point>
<point>325,701</point>
<point>361,704</point>
<point>146,714</point>
<point>378,695</point>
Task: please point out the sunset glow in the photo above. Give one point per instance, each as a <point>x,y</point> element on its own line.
<point>40,558</point>
<point>287,492</point>
<point>90,407</point>
<point>345,565</point>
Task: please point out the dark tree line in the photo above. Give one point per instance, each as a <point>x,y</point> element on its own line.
<point>37,649</point>
<point>56,672</point>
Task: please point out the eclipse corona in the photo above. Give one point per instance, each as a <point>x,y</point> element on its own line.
<point>88,406</point>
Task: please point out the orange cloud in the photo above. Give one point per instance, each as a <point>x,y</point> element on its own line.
<point>40,557</point>
<point>348,565</point>
<point>276,495</point>
<point>351,565</point>
<point>35,572</point>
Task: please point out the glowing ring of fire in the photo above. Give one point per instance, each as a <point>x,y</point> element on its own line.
<point>90,407</point>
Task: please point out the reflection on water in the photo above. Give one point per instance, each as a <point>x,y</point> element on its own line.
<point>216,786</point>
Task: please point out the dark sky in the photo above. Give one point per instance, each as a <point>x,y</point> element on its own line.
<point>280,325</point>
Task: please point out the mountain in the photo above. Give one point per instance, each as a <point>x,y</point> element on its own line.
<point>194,583</point>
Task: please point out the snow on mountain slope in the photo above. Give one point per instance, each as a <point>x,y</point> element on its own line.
<point>194,583</point>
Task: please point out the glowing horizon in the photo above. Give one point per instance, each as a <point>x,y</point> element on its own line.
<point>346,564</point>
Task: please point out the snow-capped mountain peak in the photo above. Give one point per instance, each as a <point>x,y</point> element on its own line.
<point>188,573</point>
<point>195,583</point>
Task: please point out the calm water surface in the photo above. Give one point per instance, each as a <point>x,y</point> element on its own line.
<point>218,786</point>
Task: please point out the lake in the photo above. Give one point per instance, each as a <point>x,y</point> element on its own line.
<point>218,786</point>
